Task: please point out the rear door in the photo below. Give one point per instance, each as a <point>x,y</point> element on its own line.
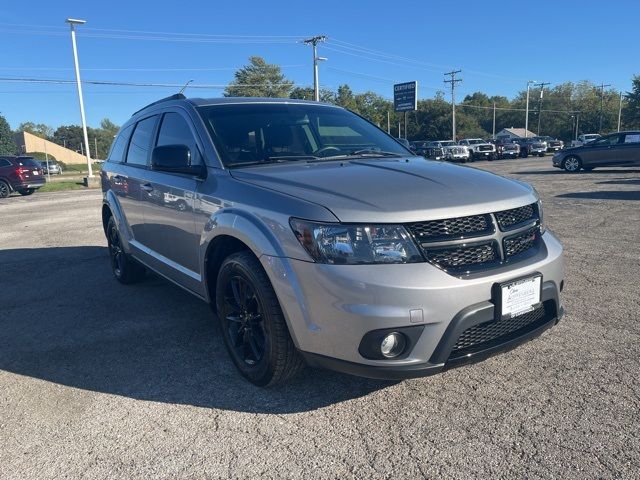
<point>127,179</point>
<point>169,230</point>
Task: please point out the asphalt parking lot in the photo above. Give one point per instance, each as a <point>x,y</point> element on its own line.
<point>99,380</point>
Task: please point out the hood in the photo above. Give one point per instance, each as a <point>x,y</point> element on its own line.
<point>391,190</point>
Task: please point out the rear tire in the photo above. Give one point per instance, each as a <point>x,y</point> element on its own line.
<point>5,189</point>
<point>124,268</point>
<point>26,191</point>
<point>572,164</point>
<point>254,329</point>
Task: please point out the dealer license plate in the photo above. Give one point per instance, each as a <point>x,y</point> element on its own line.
<point>520,296</point>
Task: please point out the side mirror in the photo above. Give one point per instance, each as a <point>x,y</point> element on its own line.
<point>175,159</point>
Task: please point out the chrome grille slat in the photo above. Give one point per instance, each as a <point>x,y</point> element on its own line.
<point>508,219</point>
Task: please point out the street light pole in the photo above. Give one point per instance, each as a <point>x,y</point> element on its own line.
<point>526,120</point>
<point>602,87</point>
<point>620,112</point>
<point>313,41</point>
<point>73,22</point>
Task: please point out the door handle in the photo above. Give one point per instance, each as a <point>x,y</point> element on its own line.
<point>147,187</point>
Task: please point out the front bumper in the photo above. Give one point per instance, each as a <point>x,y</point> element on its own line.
<point>329,308</point>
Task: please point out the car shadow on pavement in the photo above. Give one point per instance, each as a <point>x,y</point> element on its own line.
<point>556,171</point>
<point>70,322</point>
<point>604,195</point>
<point>621,181</point>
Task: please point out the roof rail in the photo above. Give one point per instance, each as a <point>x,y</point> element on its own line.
<point>175,96</point>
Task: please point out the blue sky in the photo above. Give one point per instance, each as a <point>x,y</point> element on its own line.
<point>498,46</point>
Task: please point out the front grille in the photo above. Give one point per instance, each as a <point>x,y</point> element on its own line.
<point>485,148</point>
<point>521,243</point>
<point>496,332</point>
<point>463,257</point>
<point>444,243</point>
<point>509,219</point>
<point>461,227</point>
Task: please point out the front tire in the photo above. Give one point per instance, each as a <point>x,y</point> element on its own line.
<point>26,191</point>
<point>254,329</point>
<point>572,164</point>
<point>124,268</point>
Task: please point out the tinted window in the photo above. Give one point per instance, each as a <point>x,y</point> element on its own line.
<point>141,142</point>
<point>175,131</point>
<point>257,132</point>
<point>4,162</point>
<point>611,140</point>
<point>28,162</point>
<point>119,145</point>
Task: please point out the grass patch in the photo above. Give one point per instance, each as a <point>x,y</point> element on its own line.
<point>59,186</point>
<point>80,168</point>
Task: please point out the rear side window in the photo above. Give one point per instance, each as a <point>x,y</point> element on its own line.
<point>4,162</point>
<point>175,130</point>
<point>141,142</point>
<point>632,138</point>
<point>120,145</point>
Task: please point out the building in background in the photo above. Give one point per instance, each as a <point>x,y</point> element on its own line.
<point>512,133</point>
<point>29,143</point>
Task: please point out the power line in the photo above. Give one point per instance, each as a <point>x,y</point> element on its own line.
<point>453,81</point>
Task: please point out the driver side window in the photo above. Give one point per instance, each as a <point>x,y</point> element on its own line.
<point>610,140</point>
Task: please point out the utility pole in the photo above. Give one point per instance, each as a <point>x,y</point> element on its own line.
<point>541,85</point>
<point>494,121</point>
<point>602,87</point>
<point>620,111</point>
<point>526,115</point>
<point>577,123</point>
<point>313,41</point>
<point>95,144</point>
<point>453,82</point>
<point>73,22</point>
<point>388,122</point>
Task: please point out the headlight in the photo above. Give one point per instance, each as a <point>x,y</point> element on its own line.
<point>337,243</point>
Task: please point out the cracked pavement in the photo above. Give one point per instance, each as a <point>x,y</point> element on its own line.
<point>100,380</point>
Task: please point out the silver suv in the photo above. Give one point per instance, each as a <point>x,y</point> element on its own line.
<point>319,239</point>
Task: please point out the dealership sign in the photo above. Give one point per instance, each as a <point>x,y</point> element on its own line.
<point>405,96</point>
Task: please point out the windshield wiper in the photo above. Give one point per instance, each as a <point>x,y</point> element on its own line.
<point>274,159</point>
<point>373,151</point>
<point>358,154</point>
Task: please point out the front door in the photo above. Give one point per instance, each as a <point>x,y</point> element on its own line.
<point>629,148</point>
<point>602,152</point>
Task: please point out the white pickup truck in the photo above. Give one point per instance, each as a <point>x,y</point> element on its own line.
<point>584,138</point>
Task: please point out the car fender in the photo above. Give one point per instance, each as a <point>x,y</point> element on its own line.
<point>110,199</point>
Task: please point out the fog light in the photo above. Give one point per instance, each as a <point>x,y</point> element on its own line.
<point>392,345</point>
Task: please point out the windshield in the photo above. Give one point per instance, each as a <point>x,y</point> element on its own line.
<point>476,141</point>
<point>448,143</point>
<point>28,162</point>
<point>251,133</point>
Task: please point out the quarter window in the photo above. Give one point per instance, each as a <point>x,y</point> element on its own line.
<point>175,131</point>
<point>119,145</point>
<point>4,162</point>
<point>632,138</point>
<point>141,142</point>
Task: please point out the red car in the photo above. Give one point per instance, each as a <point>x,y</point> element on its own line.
<point>20,174</point>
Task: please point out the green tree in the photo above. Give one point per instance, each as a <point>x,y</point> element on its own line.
<point>38,129</point>
<point>7,145</point>
<point>631,110</point>
<point>306,93</point>
<point>259,79</point>
<point>69,136</point>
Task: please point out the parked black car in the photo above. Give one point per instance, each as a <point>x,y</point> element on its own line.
<point>616,149</point>
<point>20,174</point>
<point>531,146</point>
<point>427,149</point>
<point>506,148</point>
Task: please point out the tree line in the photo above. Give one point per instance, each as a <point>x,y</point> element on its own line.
<point>563,111</point>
